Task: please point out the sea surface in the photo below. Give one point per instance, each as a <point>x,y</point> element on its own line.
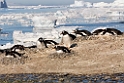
<point>19,19</point>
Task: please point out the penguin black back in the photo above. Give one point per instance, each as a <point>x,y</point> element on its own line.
<point>86,32</point>
<point>41,40</point>
<point>13,54</point>
<point>62,48</point>
<point>113,30</point>
<point>51,42</point>
<point>20,47</point>
<point>98,31</point>
<point>66,33</point>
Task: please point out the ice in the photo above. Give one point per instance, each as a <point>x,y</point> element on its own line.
<point>43,21</point>
<point>81,3</point>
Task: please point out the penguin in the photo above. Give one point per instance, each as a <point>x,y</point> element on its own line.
<point>41,44</point>
<point>98,32</point>
<point>17,48</point>
<point>61,49</point>
<point>51,42</point>
<point>67,38</point>
<point>82,32</point>
<point>13,54</point>
<point>114,31</point>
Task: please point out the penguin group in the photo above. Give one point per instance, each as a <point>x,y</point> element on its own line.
<point>16,51</point>
<point>67,38</point>
<point>13,51</point>
<point>110,31</point>
<point>64,46</point>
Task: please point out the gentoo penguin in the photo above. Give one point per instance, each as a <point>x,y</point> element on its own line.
<point>13,54</point>
<point>67,38</point>
<point>82,32</point>
<point>114,31</point>
<point>42,43</point>
<point>110,31</point>
<point>51,42</point>
<point>61,49</point>
<point>98,32</point>
<point>17,48</point>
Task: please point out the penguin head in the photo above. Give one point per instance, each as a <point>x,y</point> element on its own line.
<point>75,31</point>
<point>41,39</point>
<point>64,32</point>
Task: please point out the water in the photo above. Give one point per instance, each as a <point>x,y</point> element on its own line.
<point>61,78</point>
<point>22,19</point>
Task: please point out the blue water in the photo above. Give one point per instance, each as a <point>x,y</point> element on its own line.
<point>72,22</point>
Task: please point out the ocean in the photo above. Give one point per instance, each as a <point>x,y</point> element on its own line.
<point>28,19</point>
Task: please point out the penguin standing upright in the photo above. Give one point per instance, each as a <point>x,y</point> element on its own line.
<point>67,39</point>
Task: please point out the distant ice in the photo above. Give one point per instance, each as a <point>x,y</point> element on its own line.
<point>81,3</point>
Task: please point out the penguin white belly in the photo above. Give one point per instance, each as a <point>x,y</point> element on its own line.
<point>78,35</point>
<point>9,56</point>
<point>59,51</point>
<point>38,44</point>
<point>107,34</point>
<point>66,40</point>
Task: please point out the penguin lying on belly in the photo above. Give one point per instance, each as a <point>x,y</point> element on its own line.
<point>17,48</point>
<point>82,32</point>
<point>13,54</point>
<point>67,39</point>
<point>42,43</point>
<point>110,31</point>
<point>61,49</point>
